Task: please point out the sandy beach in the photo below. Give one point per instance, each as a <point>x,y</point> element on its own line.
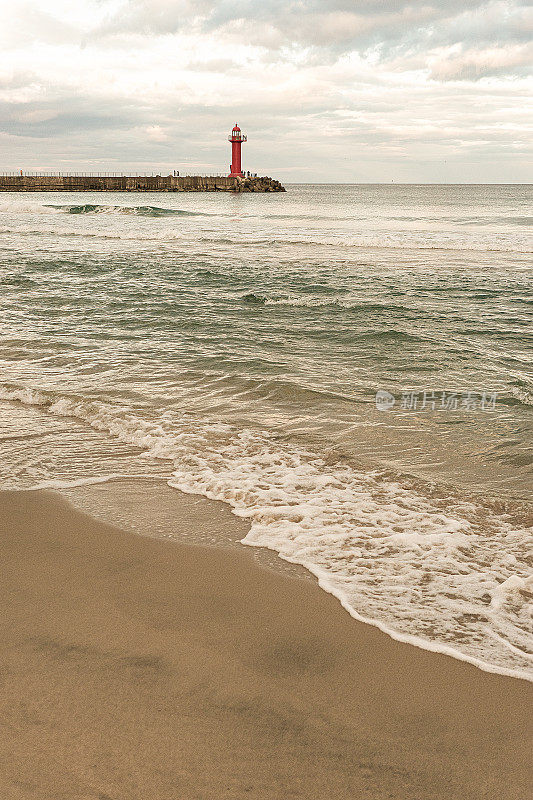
<point>134,668</point>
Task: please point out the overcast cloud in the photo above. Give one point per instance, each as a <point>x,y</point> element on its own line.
<point>367,90</point>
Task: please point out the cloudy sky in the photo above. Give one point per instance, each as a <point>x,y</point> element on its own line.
<point>327,90</point>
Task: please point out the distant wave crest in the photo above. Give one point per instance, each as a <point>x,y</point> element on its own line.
<point>341,303</point>
<point>139,211</point>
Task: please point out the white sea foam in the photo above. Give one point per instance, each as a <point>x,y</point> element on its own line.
<point>512,243</point>
<point>325,302</point>
<point>94,481</point>
<point>103,233</point>
<point>24,205</point>
<point>444,574</point>
<point>524,395</point>
<point>32,217</point>
<point>307,302</point>
<point>29,397</point>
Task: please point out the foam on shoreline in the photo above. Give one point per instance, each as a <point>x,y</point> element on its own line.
<point>403,561</point>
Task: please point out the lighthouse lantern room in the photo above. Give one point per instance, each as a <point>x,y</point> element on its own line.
<point>236,138</point>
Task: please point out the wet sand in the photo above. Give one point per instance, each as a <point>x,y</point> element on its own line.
<point>140,669</point>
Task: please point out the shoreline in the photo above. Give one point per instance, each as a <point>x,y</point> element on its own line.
<point>136,667</point>
<point>118,491</point>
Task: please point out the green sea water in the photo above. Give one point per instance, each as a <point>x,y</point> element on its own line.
<point>234,345</point>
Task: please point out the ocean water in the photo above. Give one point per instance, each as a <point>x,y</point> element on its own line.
<point>233,346</point>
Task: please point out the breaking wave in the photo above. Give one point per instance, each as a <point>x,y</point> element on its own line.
<point>139,211</point>
<point>442,572</point>
<point>316,302</point>
<point>523,395</point>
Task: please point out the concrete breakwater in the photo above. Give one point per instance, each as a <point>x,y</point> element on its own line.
<point>122,183</point>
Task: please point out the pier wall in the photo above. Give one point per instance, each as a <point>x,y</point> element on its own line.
<point>152,183</point>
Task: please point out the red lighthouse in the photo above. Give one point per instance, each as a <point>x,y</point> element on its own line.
<point>236,138</point>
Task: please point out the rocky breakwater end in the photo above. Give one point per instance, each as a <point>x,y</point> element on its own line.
<point>259,185</point>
